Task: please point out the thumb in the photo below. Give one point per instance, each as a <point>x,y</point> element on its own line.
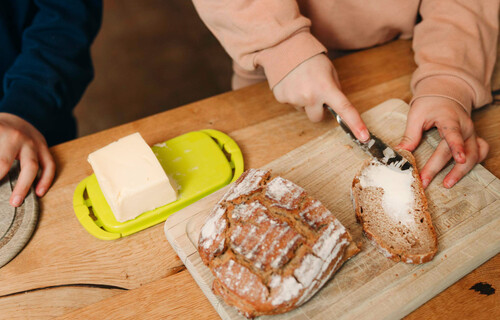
<point>411,137</point>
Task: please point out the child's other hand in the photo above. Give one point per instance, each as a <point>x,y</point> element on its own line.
<point>314,83</point>
<point>459,139</point>
<point>20,140</point>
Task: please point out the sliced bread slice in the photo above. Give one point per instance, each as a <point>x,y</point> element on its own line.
<point>392,208</point>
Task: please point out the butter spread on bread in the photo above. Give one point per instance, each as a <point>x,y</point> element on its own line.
<point>392,208</point>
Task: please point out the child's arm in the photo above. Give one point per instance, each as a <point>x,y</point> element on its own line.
<point>42,85</point>
<point>268,33</point>
<point>274,35</point>
<point>455,50</point>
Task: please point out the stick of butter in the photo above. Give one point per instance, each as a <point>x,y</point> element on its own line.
<point>131,177</point>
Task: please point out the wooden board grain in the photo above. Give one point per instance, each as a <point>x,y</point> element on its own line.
<point>62,253</point>
<point>369,285</point>
<point>50,302</point>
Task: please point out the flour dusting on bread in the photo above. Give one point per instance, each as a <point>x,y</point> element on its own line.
<point>280,245</point>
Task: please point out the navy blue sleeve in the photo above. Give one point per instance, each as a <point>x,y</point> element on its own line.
<point>49,76</point>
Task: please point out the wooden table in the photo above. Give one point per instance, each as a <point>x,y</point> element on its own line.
<point>66,272</point>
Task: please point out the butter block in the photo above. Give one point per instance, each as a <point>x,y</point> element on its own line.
<point>131,177</point>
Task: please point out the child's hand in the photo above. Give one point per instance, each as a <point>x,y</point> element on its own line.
<point>459,139</point>
<point>20,140</point>
<point>314,83</point>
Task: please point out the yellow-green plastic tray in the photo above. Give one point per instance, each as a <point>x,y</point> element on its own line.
<point>200,163</point>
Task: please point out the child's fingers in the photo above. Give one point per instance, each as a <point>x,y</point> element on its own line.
<point>461,169</point>
<point>29,168</point>
<point>314,113</point>
<point>484,148</point>
<point>451,132</point>
<point>8,152</point>
<point>436,162</point>
<point>48,171</point>
<point>339,102</point>
<point>413,133</point>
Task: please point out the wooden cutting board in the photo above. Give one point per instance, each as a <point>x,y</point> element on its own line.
<point>369,286</point>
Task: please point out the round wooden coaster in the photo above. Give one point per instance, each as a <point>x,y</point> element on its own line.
<point>16,224</point>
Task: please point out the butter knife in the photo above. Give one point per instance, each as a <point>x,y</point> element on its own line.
<point>375,147</point>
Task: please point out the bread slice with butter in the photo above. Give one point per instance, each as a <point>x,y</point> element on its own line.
<point>391,206</point>
<point>131,177</point>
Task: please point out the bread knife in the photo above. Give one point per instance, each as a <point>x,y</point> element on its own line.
<point>375,147</point>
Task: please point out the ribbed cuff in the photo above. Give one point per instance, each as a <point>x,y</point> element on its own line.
<point>24,103</point>
<point>445,86</point>
<point>279,60</point>
<point>33,106</point>
<point>244,78</point>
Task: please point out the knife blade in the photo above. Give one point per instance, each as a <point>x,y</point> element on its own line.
<point>375,147</point>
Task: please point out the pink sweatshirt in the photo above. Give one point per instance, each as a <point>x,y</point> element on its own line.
<point>454,44</point>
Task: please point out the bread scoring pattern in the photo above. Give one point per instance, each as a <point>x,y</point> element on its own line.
<point>270,246</point>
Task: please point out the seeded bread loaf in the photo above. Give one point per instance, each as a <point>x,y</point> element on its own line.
<point>270,246</point>
<point>392,208</point>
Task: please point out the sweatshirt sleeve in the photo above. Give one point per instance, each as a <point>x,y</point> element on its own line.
<point>268,33</point>
<point>50,74</point>
<point>455,50</point>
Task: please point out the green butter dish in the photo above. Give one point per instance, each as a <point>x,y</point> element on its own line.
<point>199,163</point>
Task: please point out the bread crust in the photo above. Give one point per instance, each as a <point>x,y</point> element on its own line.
<point>377,239</point>
<point>270,246</point>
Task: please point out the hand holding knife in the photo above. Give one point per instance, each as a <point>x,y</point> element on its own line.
<point>375,147</point>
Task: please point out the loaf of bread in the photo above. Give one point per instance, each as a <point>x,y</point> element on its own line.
<point>270,246</point>
<point>392,208</point>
